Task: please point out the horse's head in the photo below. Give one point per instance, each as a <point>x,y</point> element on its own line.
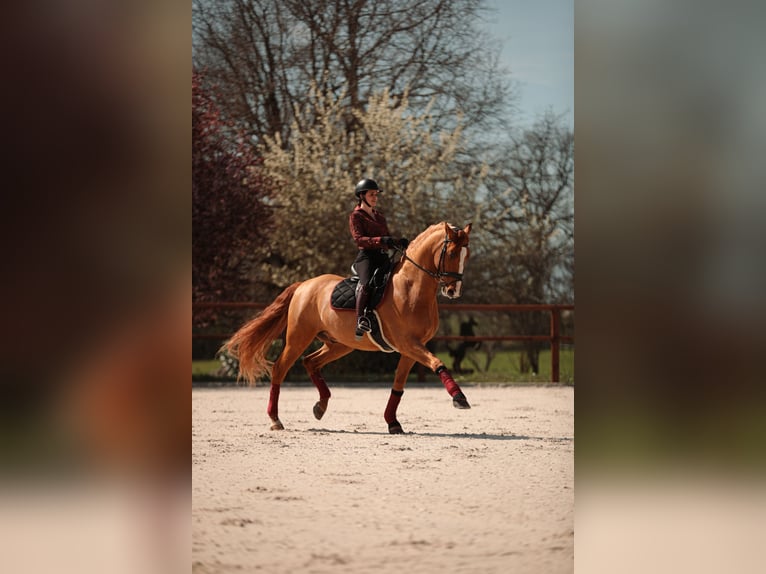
<point>454,255</point>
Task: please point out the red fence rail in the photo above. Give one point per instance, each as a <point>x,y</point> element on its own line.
<point>554,337</point>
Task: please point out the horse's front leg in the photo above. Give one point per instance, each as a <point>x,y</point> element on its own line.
<point>400,379</point>
<point>421,354</point>
<point>458,398</point>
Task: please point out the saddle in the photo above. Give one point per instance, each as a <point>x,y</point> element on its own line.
<point>343,298</point>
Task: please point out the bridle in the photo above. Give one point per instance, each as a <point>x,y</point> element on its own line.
<point>440,272</point>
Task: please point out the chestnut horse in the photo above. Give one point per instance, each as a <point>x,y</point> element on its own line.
<point>408,313</point>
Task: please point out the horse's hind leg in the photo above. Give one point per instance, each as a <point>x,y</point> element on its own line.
<point>400,379</point>
<point>314,362</point>
<point>295,344</point>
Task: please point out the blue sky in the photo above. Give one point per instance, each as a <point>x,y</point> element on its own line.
<point>538,49</point>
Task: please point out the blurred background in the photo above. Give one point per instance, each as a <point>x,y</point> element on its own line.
<point>670,281</point>
<point>95,290</point>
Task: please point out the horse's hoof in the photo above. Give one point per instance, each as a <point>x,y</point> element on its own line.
<point>277,425</point>
<point>395,428</point>
<point>319,410</point>
<point>460,402</point>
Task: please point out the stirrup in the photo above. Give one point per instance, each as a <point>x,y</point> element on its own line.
<point>363,326</point>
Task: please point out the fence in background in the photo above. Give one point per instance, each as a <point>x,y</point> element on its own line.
<point>553,337</point>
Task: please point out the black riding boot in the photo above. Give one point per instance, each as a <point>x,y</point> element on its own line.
<point>363,324</point>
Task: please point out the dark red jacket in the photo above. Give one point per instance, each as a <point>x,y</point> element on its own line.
<point>368,231</point>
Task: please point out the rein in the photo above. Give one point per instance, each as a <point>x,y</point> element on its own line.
<point>440,273</point>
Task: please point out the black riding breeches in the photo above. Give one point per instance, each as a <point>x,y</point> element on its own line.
<point>367,261</point>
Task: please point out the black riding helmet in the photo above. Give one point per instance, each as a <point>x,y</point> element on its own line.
<point>365,185</point>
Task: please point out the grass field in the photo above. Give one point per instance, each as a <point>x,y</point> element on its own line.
<point>503,368</point>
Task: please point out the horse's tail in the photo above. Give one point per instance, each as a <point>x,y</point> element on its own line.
<point>253,340</point>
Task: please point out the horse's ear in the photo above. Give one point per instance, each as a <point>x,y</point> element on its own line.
<point>450,231</point>
<point>467,228</point>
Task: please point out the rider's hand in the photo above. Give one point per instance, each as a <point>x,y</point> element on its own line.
<point>404,242</point>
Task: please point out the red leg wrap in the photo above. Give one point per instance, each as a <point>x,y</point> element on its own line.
<point>393,404</point>
<point>321,385</point>
<point>448,382</point>
<point>273,410</point>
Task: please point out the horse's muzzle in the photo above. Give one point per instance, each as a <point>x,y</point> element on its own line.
<point>452,291</point>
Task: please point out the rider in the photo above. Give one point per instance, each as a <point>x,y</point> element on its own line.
<point>370,232</point>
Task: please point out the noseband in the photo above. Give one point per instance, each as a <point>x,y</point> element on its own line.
<point>440,273</point>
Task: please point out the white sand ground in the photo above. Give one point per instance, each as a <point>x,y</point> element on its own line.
<point>486,490</point>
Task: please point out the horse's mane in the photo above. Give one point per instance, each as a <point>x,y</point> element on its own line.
<point>427,233</point>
